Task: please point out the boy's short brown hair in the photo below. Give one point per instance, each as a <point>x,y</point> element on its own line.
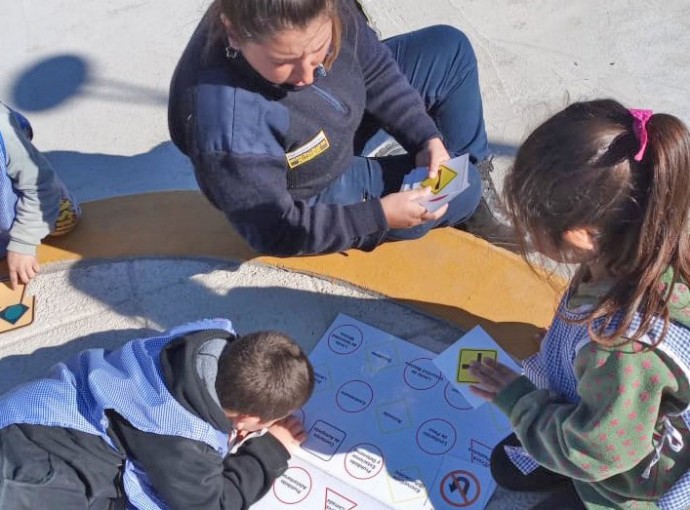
<point>264,374</point>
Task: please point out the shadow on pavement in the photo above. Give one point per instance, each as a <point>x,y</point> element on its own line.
<point>52,81</point>
<point>93,176</point>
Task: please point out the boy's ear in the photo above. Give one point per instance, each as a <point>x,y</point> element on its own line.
<point>583,239</point>
<point>243,421</point>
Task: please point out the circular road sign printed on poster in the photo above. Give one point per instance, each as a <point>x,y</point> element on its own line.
<point>436,436</point>
<point>345,339</point>
<point>364,461</point>
<point>421,374</point>
<point>460,489</point>
<point>354,396</point>
<point>293,486</point>
<point>455,399</point>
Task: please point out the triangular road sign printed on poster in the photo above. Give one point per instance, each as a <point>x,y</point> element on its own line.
<point>16,308</point>
<point>335,501</point>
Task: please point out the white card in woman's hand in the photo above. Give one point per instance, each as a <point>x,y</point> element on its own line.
<point>450,181</point>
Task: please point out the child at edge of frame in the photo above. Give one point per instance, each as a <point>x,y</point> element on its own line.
<point>600,415</point>
<point>196,418</point>
<point>34,203</point>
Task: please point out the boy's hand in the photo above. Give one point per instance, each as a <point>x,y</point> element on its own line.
<point>432,155</point>
<point>289,431</point>
<point>22,268</point>
<point>493,378</point>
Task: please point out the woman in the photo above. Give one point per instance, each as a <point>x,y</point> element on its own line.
<point>274,101</point>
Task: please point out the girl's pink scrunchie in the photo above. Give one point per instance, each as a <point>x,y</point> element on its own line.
<point>640,129</point>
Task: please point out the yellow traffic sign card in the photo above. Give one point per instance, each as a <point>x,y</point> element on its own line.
<point>451,180</point>
<point>443,179</point>
<point>454,363</point>
<point>467,357</point>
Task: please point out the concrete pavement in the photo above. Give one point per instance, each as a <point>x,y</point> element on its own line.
<point>93,78</point>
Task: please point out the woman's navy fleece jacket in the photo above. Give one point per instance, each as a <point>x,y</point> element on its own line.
<point>249,140</point>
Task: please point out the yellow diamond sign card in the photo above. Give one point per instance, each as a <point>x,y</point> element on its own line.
<point>454,363</point>
<point>451,180</point>
<point>467,357</point>
<point>443,179</point>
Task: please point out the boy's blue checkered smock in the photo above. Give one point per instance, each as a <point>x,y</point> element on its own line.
<point>8,199</point>
<point>76,393</point>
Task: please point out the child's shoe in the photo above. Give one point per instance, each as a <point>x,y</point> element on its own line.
<point>68,215</point>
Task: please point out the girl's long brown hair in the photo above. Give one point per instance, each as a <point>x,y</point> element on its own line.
<point>577,170</point>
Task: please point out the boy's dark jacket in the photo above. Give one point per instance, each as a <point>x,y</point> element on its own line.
<point>186,474</point>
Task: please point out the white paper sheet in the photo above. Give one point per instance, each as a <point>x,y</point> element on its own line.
<point>386,431</point>
<point>473,346</point>
<point>451,180</point>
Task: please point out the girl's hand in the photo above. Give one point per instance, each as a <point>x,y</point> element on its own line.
<point>432,155</point>
<point>21,268</point>
<point>404,209</point>
<point>289,431</point>
<point>493,378</point>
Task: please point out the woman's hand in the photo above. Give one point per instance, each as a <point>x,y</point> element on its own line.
<point>21,268</point>
<point>432,155</point>
<point>493,378</point>
<point>404,208</point>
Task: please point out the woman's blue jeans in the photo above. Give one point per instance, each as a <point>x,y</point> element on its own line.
<point>440,64</point>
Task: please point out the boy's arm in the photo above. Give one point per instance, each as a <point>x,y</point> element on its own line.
<point>37,188</point>
<point>190,475</point>
<point>265,450</point>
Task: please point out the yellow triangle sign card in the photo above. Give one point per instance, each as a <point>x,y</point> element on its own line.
<point>444,178</point>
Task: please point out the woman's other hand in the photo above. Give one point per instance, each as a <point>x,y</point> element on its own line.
<point>432,155</point>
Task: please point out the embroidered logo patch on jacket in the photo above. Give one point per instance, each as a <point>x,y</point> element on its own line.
<point>314,147</point>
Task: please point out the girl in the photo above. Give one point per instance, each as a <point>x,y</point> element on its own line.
<point>274,101</point>
<point>602,411</point>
